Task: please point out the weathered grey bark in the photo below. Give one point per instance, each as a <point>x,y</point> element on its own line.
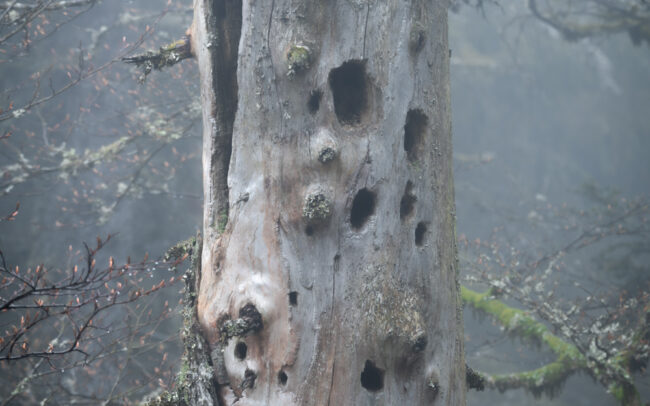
<point>329,203</point>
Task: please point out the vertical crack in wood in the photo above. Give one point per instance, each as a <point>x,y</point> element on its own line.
<point>225,27</point>
<point>365,31</point>
<point>335,268</point>
<point>275,82</point>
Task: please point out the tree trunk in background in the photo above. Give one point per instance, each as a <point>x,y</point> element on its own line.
<point>329,203</point>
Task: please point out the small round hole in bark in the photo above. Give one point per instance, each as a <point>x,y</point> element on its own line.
<point>309,230</point>
<point>420,343</point>
<point>249,379</point>
<point>313,104</point>
<point>337,262</point>
<point>421,233</point>
<point>349,90</point>
<point>414,131</point>
<point>363,206</point>
<point>407,203</point>
<point>241,349</point>
<point>252,316</point>
<point>293,298</point>
<point>282,378</point>
<point>416,38</point>
<point>372,378</point>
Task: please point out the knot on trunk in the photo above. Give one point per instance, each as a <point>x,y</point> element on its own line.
<point>317,207</point>
<point>474,379</point>
<point>298,59</point>
<point>249,322</point>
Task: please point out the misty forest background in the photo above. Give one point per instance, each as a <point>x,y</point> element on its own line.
<point>550,136</point>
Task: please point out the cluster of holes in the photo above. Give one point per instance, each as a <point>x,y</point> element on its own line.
<point>349,91</point>
<point>313,104</point>
<point>407,204</point>
<point>414,132</point>
<point>372,378</point>
<point>421,233</point>
<point>363,206</point>
<point>240,352</point>
<point>348,83</point>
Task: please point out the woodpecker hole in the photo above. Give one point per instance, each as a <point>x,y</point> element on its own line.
<point>407,203</point>
<point>252,316</point>
<point>421,233</point>
<point>249,379</point>
<point>309,230</point>
<point>414,131</point>
<point>363,206</point>
<point>313,104</point>
<point>293,298</point>
<point>372,378</point>
<point>420,343</point>
<point>241,349</point>
<point>350,91</point>
<point>282,378</point>
<point>417,37</point>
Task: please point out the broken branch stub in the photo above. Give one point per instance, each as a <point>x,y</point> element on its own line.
<point>167,55</point>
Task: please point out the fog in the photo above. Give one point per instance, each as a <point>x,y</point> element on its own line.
<point>541,121</point>
<point>540,124</point>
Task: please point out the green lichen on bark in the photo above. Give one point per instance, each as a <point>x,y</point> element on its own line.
<point>520,324</point>
<point>298,59</point>
<point>73,161</point>
<point>195,383</point>
<point>179,250</point>
<point>166,55</point>
<point>391,309</point>
<point>545,380</point>
<point>249,322</point>
<point>626,395</point>
<point>613,373</point>
<point>317,207</point>
<point>222,221</point>
<point>327,154</point>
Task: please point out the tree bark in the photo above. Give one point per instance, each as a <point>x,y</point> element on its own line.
<point>329,269</point>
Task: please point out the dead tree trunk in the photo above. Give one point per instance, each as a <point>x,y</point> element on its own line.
<point>329,272</point>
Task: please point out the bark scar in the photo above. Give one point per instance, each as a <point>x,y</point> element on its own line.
<point>275,82</point>
<point>365,30</point>
<point>334,270</point>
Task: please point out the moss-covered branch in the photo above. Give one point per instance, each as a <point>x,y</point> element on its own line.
<point>600,18</point>
<point>167,55</point>
<point>613,373</point>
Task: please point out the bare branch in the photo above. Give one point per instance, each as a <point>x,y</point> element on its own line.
<point>52,5</point>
